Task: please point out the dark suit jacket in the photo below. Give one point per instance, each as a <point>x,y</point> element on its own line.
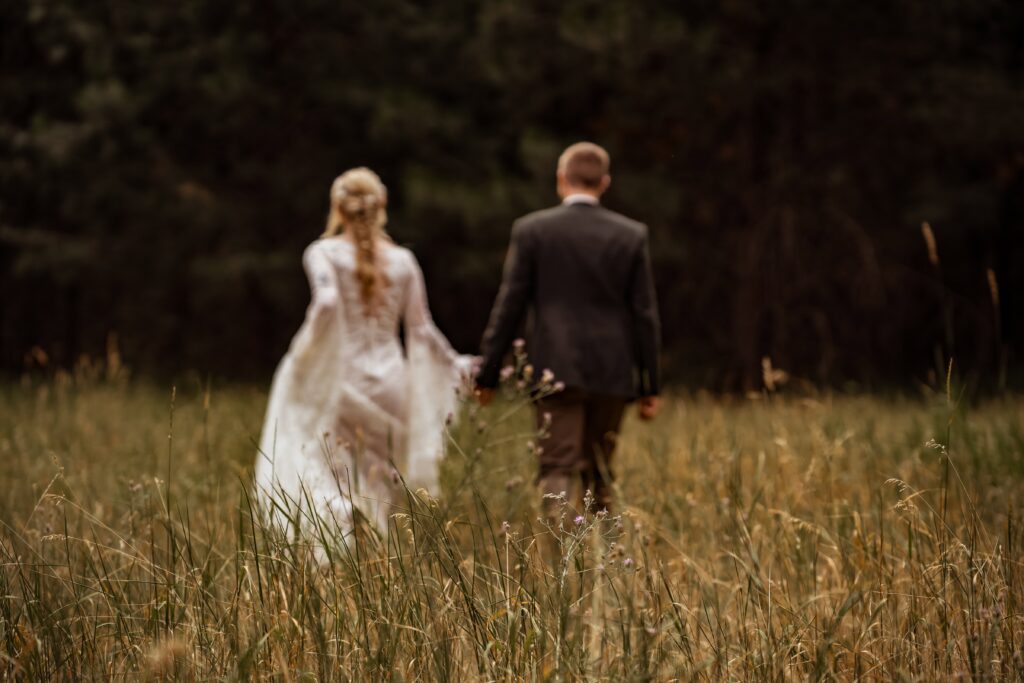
<point>583,274</point>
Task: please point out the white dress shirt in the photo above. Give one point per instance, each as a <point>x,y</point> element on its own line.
<point>580,198</point>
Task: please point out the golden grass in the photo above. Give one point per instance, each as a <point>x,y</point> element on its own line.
<point>768,539</point>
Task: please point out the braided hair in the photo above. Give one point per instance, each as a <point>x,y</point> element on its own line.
<point>358,198</point>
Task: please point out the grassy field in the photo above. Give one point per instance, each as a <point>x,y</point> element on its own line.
<point>759,539</point>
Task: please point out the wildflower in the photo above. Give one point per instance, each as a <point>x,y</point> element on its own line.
<point>559,386</point>
<point>519,344</point>
<point>505,527</point>
<point>628,562</point>
<point>546,420</point>
<point>546,376</point>
<point>580,519</point>
<point>506,372</point>
<point>528,371</point>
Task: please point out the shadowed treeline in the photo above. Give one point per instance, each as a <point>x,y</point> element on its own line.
<point>162,167</point>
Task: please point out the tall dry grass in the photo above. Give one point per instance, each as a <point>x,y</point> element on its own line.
<point>769,539</point>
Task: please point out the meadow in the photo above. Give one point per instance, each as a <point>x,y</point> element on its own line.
<point>819,537</point>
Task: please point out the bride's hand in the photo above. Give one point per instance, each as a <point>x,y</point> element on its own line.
<point>468,366</point>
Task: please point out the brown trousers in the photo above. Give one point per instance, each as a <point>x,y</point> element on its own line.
<point>578,444</point>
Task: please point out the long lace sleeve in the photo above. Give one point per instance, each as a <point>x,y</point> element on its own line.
<point>417,318</point>
<point>324,300</point>
<point>436,372</point>
<point>301,409</point>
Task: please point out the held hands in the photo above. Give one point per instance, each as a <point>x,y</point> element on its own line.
<point>647,408</point>
<point>468,367</point>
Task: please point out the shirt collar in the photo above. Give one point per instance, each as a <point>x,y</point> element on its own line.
<point>580,198</point>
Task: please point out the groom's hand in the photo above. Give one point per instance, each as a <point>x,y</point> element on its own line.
<point>484,396</point>
<point>647,407</point>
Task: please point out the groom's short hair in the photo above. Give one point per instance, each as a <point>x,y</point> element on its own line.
<point>584,164</point>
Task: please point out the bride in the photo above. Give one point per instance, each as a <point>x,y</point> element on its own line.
<point>346,403</point>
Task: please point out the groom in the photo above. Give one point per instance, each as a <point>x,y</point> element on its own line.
<point>583,274</point>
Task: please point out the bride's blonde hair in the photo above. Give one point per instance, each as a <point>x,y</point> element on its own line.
<point>358,200</point>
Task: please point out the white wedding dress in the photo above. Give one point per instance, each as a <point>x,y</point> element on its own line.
<point>347,405</point>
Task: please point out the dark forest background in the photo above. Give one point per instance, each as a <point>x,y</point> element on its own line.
<point>162,166</point>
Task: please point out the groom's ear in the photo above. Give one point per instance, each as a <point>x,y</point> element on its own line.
<point>606,182</point>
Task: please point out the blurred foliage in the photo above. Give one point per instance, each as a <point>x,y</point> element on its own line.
<point>162,165</point>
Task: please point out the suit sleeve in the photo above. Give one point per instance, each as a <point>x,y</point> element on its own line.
<point>646,323</point>
<point>514,297</point>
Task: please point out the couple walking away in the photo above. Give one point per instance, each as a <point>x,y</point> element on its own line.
<point>348,404</point>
